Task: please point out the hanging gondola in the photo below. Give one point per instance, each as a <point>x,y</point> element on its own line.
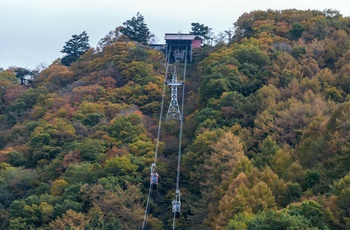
<point>176,205</point>
<point>154,177</point>
<point>154,181</point>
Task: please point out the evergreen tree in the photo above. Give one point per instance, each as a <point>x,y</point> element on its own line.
<point>24,75</point>
<point>200,30</point>
<point>74,48</point>
<point>136,29</point>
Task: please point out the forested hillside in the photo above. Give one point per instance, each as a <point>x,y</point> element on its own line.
<point>266,141</point>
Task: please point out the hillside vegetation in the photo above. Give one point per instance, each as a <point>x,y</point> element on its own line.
<point>266,141</point>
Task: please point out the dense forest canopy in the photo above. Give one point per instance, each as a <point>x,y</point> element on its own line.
<point>266,132</point>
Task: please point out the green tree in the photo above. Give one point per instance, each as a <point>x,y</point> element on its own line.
<point>341,188</point>
<point>268,149</point>
<point>200,30</point>
<point>312,211</point>
<point>120,165</point>
<point>253,62</point>
<point>74,48</point>
<point>136,29</point>
<point>24,75</point>
<point>296,31</point>
<point>16,159</point>
<point>19,182</point>
<point>33,212</point>
<point>271,220</point>
<point>90,149</point>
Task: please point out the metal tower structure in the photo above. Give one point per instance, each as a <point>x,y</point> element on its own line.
<point>174,109</point>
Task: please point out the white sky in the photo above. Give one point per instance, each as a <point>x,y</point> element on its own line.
<point>34,31</point>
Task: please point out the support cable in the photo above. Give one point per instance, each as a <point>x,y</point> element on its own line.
<point>180,136</point>
<point>147,207</point>
<point>162,106</point>
<point>157,141</point>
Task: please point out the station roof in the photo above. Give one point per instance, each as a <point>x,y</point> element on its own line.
<point>179,36</point>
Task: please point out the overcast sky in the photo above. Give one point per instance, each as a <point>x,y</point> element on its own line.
<point>33,32</point>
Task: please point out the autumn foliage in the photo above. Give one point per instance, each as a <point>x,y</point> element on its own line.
<point>265,145</point>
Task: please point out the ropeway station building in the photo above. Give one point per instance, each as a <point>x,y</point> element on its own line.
<point>176,44</point>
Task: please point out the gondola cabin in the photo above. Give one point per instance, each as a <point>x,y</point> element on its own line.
<point>177,204</point>
<point>154,181</point>
<point>154,178</point>
<point>176,209</point>
<point>179,47</point>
